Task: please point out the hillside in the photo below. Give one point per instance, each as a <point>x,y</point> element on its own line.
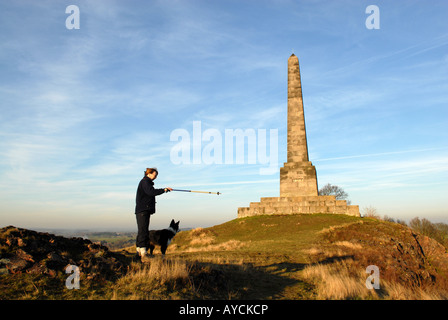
<point>324,256</point>
<point>265,257</point>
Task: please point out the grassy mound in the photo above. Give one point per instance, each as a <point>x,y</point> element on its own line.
<point>267,257</point>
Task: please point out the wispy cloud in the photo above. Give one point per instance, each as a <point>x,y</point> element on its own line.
<point>372,155</point>
<point>386,171</point>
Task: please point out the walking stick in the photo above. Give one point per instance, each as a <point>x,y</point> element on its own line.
<point>218,193</point>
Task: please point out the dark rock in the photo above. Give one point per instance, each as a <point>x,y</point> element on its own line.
<point>37,268</point>
<point>17,265</point>
<point>43,253</point>
<point>23,255</point>
<point>54,257</point>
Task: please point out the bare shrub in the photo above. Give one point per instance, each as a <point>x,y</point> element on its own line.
<point>332,190</point>
<point>370,212</point>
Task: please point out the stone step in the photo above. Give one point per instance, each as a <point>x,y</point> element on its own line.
<point>349,210</point>
<point>297,164</point>
<point>303,201</point>
<point>297,205</point>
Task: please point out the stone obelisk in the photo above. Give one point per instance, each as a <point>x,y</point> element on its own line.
<point>298,176</point>
<point>298,179</point>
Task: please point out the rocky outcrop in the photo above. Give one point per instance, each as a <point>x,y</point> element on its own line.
<point>402,255</point>
<point>27,251</point>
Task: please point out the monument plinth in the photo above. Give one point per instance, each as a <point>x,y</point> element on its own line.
<point>298,178</point>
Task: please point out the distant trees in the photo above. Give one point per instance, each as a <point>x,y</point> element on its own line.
<point>390,219</point>
<point>437,231</point>
<point>331,190</point>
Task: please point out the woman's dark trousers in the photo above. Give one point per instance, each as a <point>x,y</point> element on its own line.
<point>143,229</point>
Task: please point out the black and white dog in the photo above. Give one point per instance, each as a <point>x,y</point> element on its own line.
<point>163,237</point>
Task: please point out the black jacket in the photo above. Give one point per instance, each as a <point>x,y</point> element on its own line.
<point>146,196</point>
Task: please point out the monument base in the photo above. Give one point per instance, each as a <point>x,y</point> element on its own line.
<point>298,178</point>
<point>298,205</point>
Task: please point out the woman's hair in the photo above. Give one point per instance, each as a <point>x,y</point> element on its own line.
<point>151,170</point>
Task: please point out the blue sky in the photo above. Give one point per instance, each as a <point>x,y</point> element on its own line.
<point>85,111</point>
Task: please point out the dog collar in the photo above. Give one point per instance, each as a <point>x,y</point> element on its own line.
<point>171,229</point>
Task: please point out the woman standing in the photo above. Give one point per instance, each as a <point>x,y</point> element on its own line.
<point>145,206</point>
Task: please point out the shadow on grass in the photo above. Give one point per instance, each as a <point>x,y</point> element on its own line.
<point>234,281</point>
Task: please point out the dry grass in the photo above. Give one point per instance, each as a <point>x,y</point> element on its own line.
<point>411,267</point>
<point>336,281</point>
<point>200,237</point>
<point>349,245</point>
<point>203,240</point>
<point>181,279</point>
<point>225,246</point>
<point>160,279</point>
<point>334,276</point>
